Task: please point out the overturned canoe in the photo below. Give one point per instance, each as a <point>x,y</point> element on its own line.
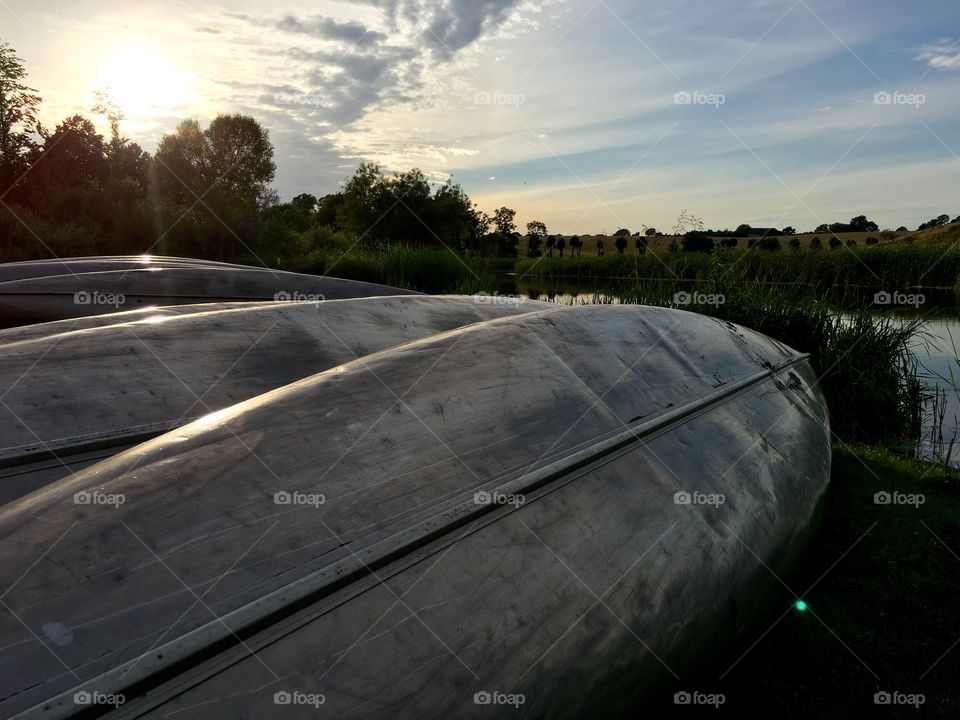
<point>527,510</point>
<point>56,297</point>
<point>74,266</point>
<point>76,396</point>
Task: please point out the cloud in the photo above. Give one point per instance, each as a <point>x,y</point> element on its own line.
<point>942,56</point>
<point>329,29</point>
<point>455,24</point>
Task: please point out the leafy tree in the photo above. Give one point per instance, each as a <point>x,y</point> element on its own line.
<point>622,232</point>
<point>902,228</point>
<point>789,230</point>
<point>742,230</point>
<point>861,224</point>
<point>536,235</point>
<point>18,118</point>
<point>505,230</point>
<point>824,228</point>
<point>938,221</point>
<point>74,154</point>
<point>697,242</point>
<point>650,232</point>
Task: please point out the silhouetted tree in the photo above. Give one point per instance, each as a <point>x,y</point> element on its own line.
<point>18,118</point>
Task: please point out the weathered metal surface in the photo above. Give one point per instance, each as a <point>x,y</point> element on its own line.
<point>126,379</point>
<point>403,594</point>
<point>56,297</point>
<point>73,266</point>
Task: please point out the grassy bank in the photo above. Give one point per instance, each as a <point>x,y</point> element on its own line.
<point>893,266</point>
<point>881,583</point>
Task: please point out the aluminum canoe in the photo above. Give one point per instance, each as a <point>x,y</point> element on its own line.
<point>561,506</point>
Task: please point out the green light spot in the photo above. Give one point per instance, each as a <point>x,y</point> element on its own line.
<point>800,605</point>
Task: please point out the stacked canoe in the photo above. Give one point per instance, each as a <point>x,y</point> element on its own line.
<point>391,506</point>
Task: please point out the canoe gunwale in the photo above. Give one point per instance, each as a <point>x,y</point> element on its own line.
<point>212,645</point>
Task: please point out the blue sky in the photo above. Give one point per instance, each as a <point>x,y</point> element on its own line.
<point>572,112</point>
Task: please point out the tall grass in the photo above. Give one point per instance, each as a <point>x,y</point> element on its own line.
<point>893,266</point>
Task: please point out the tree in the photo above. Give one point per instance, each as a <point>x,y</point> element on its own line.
<point>505,231</point>
<point>622,232</point>
<point>621,243</point>
<point>536,235</point>
<point>18,118</point>
<point>861,224</point>
<point>742,230</point>
<point>788,230</point>
<point>902,228</point>
<point>938,221</point>
<point>650,232</point>
<point>697,242</point>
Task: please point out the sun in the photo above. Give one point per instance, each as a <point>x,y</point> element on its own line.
<point>143,82</point>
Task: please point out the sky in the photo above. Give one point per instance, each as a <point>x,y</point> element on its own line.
<point>587,115</point>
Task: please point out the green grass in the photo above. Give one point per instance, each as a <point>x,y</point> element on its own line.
<point>893,266</point>
<point>890,600</point>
